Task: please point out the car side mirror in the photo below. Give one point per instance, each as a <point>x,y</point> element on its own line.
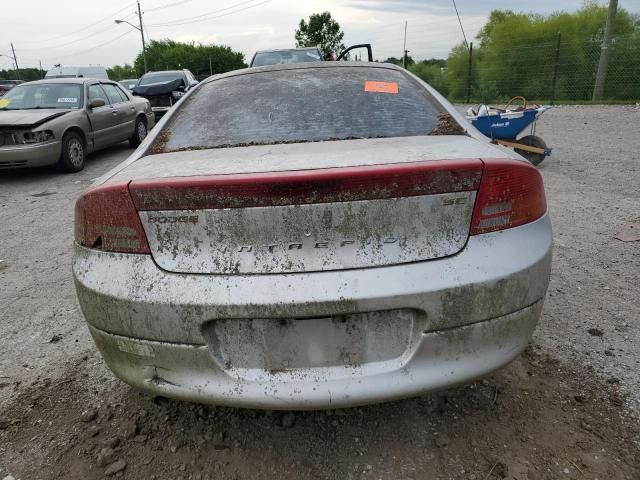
<point>193,83</point>
<point>97,102</point>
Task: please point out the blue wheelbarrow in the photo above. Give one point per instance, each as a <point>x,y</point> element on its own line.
<point>503,126</point>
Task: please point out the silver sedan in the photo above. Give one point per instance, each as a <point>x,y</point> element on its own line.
<point>312,236</point>
<point>60,121</point>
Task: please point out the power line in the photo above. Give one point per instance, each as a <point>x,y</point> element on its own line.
<point>53,47</point>
<point>146,30</point>
<point>97,46</point>
<point>460,22</point>
<point>168,5</point>
<point>108,17</point>
<point>210,15</point>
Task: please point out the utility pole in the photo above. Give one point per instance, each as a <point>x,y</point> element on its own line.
<point>470,73</point>
<point>404,46</point>
<point>41,68</point>
<point>603,65</point>
<point>144,48</point>
<point>210,66</point>
<point>141,28</point>
<point>15,60</point>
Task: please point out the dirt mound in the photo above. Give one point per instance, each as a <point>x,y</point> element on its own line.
<point>534,420</point>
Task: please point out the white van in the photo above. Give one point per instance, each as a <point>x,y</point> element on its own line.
<point>69,72</point>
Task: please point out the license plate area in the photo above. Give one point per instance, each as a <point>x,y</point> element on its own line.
<point>290,344</point>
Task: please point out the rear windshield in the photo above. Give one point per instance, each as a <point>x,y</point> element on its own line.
<point>301,105</point>
<point>287,56</point>
<point>160,78</point>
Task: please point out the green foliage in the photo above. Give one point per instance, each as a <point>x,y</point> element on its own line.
<point>431,73</point>
<point>398,61</point>
<point>457,72</point>
<point>516,53</point>
<point>171,55</point>
<point>26,74</point>
<point>122,72</point>
<point>440,62</point>
<point>321,31</point>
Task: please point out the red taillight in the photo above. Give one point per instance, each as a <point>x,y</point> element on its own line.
<point>106,219</point>
<point>307,186</point>
<point>511,193</point>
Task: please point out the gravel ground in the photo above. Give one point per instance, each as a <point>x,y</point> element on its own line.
<point>567,409</point>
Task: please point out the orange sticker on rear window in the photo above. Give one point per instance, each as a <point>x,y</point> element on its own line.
<point>381,87</point>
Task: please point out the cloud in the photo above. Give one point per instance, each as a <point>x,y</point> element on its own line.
<point>401,6</point>
<point>37,26</point>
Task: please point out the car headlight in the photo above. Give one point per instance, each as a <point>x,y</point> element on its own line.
<point>38,137</point>
<point>177,94</point>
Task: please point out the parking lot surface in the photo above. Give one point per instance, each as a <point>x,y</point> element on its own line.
<point>568,408</point>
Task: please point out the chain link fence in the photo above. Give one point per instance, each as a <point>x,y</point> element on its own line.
<point>555,70</point>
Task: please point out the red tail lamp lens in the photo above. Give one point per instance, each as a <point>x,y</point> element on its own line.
<point>106,219</point>
<point>511,194</point>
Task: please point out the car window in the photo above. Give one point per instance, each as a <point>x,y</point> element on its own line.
<point>129,84</point>
<point>43,95</point>
<point>95,92</point>
<point>160,78</point>
<point>113,93</point>
<point>125,97</point>
<point>285,57</point>
<point>303,105</point>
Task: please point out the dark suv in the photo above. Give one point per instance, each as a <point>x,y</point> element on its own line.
<point>165,88</point>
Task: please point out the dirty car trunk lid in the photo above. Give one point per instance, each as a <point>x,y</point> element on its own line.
<point>308,207</point>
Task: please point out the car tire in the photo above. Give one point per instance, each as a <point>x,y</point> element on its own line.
<point>72,158</point>
<point>140,132</point>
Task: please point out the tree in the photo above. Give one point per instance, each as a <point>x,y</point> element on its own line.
<point>26,74</point>
<point>202,60</point>
<point>322,31</point>
<point>516,55</point>
<point>457,72</point>
<point>398,61</point>
<point>121,72</point>
<point>432,73</point>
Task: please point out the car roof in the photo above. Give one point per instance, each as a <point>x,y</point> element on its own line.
<point>165,71</point>
<point>73,80</point>
<point>303,66</point>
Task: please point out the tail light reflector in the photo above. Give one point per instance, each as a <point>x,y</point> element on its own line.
<point>511,193</point>
<point>106,219</point>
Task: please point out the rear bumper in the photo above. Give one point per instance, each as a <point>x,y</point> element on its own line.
<point>474,312</point>
<point>443,359</point>
<point>19,156</point>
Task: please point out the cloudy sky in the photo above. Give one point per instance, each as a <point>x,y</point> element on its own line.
<point>83,32</point>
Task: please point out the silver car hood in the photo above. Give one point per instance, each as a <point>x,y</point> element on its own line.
<point>29,118</point>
